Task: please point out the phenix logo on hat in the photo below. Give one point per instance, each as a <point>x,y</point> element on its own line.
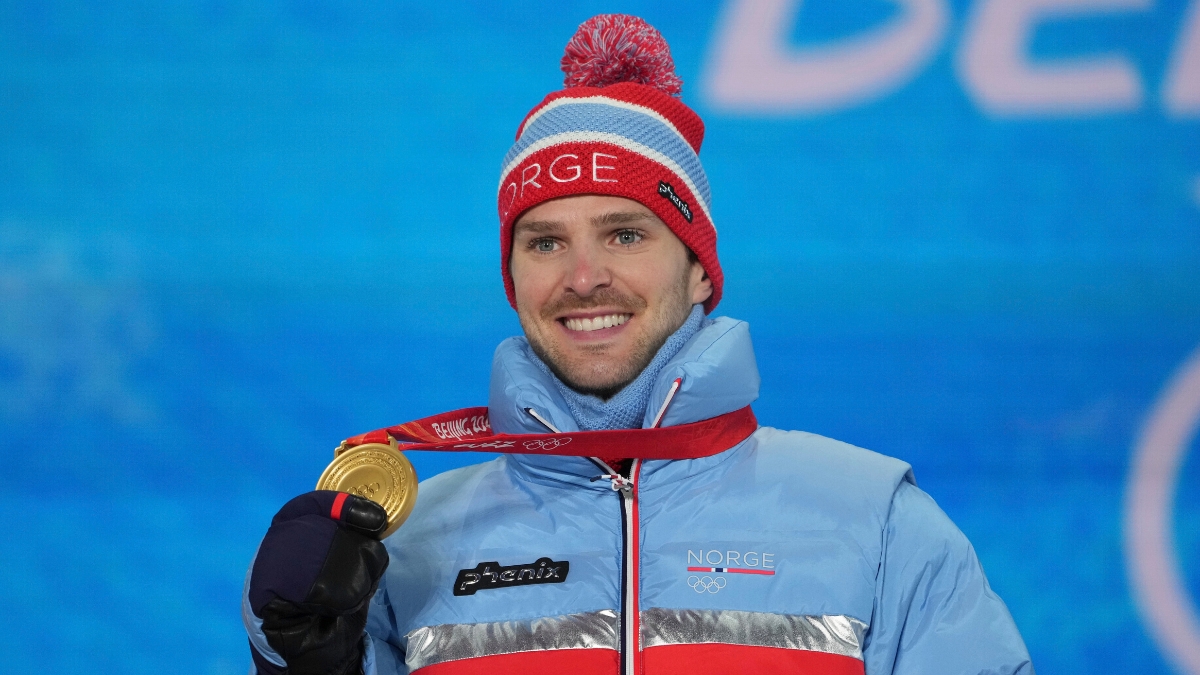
<point>618,128</point>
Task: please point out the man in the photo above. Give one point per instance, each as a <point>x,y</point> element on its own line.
<point>696,544</point>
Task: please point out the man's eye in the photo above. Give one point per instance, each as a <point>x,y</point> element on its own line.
<point>627,237</point>
<point>544,245</point>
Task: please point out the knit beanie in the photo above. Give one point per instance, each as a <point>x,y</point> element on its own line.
<point>618,128</point>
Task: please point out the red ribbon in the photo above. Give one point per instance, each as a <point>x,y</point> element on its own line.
<point>470,430</point>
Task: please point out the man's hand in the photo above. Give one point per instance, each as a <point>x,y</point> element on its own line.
<point>313,579</point>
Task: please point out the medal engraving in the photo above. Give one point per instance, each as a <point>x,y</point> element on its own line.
<point>377,472</point>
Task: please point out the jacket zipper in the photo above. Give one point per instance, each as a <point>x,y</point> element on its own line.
<point>630,616</point>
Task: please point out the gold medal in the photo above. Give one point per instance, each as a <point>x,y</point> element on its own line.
<point>377,472</point>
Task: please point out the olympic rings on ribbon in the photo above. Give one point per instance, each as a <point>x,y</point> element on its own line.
<point>546,444</point>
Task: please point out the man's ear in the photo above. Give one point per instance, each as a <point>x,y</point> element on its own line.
<point>701,285</point>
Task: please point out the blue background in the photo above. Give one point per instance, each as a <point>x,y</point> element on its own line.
<point>233,234</point>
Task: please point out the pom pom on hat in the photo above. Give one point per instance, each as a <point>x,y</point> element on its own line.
<point>613,48</point>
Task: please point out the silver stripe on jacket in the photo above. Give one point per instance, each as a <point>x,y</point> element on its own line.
<point>831,633</point>
<point>429,645</point>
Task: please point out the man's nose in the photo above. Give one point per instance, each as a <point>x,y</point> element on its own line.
<point>588,271</point>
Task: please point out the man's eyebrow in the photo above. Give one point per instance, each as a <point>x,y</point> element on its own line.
<point>539,227</point>
<point>620,218</point>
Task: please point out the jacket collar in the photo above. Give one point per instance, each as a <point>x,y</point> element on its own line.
<point>718,375</point>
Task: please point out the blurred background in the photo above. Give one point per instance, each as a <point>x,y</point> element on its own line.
<point>965,234</point>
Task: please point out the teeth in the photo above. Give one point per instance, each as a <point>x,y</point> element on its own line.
<point>596,323</point>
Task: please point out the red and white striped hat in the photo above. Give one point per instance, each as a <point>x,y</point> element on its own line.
<point>618,128</point>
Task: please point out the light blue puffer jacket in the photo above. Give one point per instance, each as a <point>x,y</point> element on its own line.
<point>789,552</point>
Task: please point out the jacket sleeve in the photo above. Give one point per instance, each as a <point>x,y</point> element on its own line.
<point>383,656</point>
<point>934,611</point>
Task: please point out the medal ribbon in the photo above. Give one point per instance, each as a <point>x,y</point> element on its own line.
<point>468,429</point>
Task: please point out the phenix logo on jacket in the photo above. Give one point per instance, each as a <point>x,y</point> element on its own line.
<point>788,552</point>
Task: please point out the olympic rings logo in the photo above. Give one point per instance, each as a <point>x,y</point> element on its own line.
<point>547,443</point>
<point>706,584</point>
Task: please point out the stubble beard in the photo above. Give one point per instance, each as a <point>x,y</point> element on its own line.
<point>593,373</point>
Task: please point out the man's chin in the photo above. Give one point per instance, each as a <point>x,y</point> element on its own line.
<point>603,385</point>
<point>600,369</point>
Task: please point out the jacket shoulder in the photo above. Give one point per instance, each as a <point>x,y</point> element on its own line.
<point>832,454</point>
<point>830,472</point>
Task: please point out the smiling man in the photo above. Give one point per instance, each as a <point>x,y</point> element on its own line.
<point>643,523</point>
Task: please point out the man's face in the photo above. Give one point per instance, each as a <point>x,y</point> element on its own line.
<point>601,283</point>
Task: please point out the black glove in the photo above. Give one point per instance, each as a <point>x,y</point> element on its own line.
<point>313,579</point>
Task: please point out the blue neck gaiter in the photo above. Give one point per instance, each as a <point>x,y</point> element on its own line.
<point>627,408</point>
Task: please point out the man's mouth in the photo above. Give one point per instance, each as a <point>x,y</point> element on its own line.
<point>588,324</point>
